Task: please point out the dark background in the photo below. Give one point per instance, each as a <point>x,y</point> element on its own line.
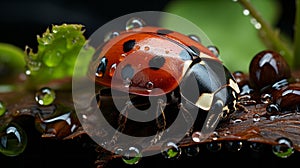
<point>21,21</point>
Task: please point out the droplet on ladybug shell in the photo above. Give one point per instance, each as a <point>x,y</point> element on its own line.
<point>195,38</point>
<point>268,67</point>
<point>214,50</point>
<point>110,36</point>
<point>134,23</point>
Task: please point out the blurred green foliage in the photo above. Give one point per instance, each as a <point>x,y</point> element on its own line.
<point>57,52</point>
<point>228,27</point>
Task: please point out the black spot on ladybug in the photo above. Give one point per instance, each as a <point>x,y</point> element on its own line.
<point>157,62</point>
<point>195,51</point>
<point>127,72</point>
<point>164,31</point>
<point>128,45</point>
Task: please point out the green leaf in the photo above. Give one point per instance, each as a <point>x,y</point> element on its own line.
<point>58,49</point>
<point>227,27</point>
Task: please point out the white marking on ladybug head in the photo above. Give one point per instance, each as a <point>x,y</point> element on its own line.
<point>234,85</point>
<point>205,101</point>
<point>186,66</point>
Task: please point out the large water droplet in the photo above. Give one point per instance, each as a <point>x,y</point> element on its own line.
<point>284,148</point>
<point>45,96</point>
<point>132,156</point>
<point>134,23</point>
<point>13,141</point>
<point>2,108</point>
<point>170,150</point>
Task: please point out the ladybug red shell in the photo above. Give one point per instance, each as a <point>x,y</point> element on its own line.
<point>146,60</point>
<point>153,61</point>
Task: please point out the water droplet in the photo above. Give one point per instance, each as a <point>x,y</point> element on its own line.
<point>284,148</point>
<point>257,147</point>
<point>27,71</point>
<point>238,120</point>
<point>2,108</point>
<point>170,150</point>
<point>122,57</point>
<point>256,117</point>
<point>214,50</point>
<point>110,36</point>
<point>195,38</point>
<point>273,109</point>
<point>234,146</point>
<point>112,69</point>
<point>132,156</point>
<point>266,98</point>
<point>33,66</point>
<point>255,23</point>
<point>146,48</point>
<point>149,86</point>
<point>215,136</point>
<point>197,136</point>
<point>134,23</point>
<point>45,96</point>
<point>119,151</point>
<point>214,146</point>
<point>52,58</point>
<point>246,12</point>
<point>101,67</point>
<point>192,151</point>
<point>13,141</point>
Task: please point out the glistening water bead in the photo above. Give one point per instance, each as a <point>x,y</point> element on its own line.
<point>284,148</point>
<point>13,140</point>
<point>132,156</point>
<point>170,150</point>
<point>45,96</point>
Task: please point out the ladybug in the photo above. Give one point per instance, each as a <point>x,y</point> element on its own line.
<point>147,62</point>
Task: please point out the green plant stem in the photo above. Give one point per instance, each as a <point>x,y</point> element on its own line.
<point>268,31</point>
<point>297,37</point>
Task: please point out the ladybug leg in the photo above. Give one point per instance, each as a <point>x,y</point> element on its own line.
<point>160,121</point>
<point>122,119</point>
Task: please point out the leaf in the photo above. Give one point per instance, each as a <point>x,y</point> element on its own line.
<point>227,27</point>
<point>58,49</point>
